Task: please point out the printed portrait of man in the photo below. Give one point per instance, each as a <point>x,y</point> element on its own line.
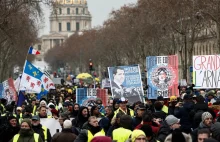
<point>117,82</point>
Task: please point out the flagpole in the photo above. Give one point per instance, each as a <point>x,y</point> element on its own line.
<point>19,85</point>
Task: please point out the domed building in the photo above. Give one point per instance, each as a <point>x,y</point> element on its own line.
<point>69,17</point>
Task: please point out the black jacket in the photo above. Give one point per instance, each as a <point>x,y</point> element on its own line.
<point>39,130</point>
<point>7,132</point>
<point>164,131</point>
<point>184,114</point>
<point>195,132</point>
<point>66,135</point>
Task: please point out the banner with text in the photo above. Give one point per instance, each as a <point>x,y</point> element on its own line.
<point>162,76</point>
<point>206,71</point>
<point>87,96</point>
<point>126,82</point>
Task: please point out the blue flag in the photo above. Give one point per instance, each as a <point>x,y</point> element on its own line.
<point>21,98</point>
<point>42,93</point>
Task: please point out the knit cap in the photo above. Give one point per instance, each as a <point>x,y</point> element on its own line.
<point>206,115</point>
<point>170,119</point>
<point>172,98</point>
<point>28,121</point>
<point>136,133</point>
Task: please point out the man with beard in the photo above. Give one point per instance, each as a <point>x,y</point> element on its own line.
<point>26,133</point>
<point>8,130</point>
<point>41,130</point>
<point>207,122</point>
<point>93,128</point>
<point>81,118</point>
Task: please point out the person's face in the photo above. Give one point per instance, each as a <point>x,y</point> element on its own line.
<point>89,108</point>
<point>175,126</point>
<point>85,113</point>
<point>140,112</point>
<point>61,121</point>
<point>13,122</point>
<point>94,122</point>
<point>23,106</point>
<point>35,122</point>
<point>208,121</point>
<point>76,107</point>
<point>107,111</point>
<point>116,106</point>
<point>123,105</point>
<point>119,76</point>
<point>110,103</point>
<point>33,103</point>
<point>149,102</point>
<point>135,107</point>
<point>18,111</point>
<point>43,104</point>
<point>202,137</point>
<point>43,111</point>
<point>141,139</point>
<point>25,125</point>
<point>96,111</point>
<point>162,76</point>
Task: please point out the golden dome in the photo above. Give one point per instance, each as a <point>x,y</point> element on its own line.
<point>72,1</point>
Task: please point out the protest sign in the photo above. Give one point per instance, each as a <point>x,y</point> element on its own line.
<point>87,96</point>
<point>7,91</point>
<point>162,76</point>
<point>126,82</point>
<point>52,124</point>
<point>206,71</point>
<point>106,83</point>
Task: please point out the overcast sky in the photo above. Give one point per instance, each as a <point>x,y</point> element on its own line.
<point>99,9</point>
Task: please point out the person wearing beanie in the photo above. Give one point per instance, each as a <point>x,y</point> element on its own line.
<point>9,129</point>
<point>124,131</point>
<point>26,133</point>
<point>172,104</point>
<point>138,136</point>
<point>66,134</point>
<point>170,124</point>
<point>101,139</point>
<point>43,131</point>
<point>92,129</point>
<point>207,122</point>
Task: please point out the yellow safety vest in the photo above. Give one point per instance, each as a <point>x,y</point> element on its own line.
<point>121,134</point>
<point>90,135</point>
<point>34,110</point>
<point>165,109</point>
<point>3,108</point>
<point>45,132</point>
<point>21,118</point>
<point>5,115</point>
<point>131,112</point>
<point>16,137</point>
<point>57,108</point>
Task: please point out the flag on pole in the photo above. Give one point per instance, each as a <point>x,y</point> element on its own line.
<point>42,93</point>
<point>47,83</point>
<point>33,51</point>
<point>31,79</point>
<point>21,98</point>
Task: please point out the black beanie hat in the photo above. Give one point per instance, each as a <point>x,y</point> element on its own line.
<point>11,117</point>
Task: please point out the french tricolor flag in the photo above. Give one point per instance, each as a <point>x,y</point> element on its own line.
<point>33,51</point>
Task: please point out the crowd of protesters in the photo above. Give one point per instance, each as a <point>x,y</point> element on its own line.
<point>192,117</point>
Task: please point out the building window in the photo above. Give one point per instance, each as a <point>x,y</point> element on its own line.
<point>83,10</point>
<point>77,10</point>
<point>77,26</point>
<point>56,42</point>
<point>68,26</point>
<point>60,27</point>
<point>39,47</point>
<point>68,10</point>
<point>60,11</point>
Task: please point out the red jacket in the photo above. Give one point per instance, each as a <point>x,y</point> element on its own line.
<point>155,129</point>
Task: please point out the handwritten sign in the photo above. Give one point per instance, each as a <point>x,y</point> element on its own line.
<point>206,71</point>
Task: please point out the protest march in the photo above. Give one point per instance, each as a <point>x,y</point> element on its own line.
<point>120,109</point>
